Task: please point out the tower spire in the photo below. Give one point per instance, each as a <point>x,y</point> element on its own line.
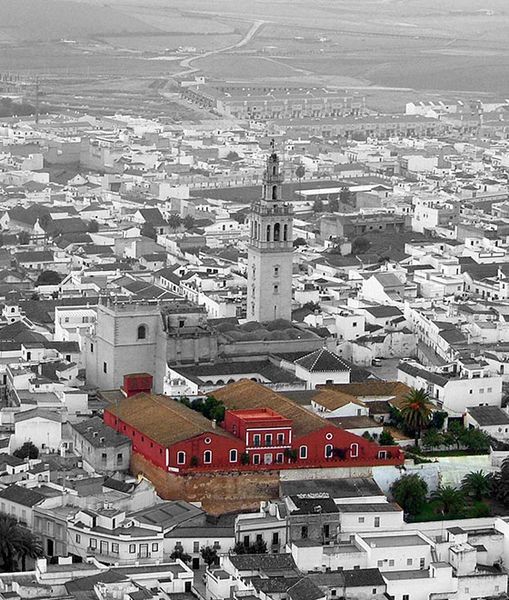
<point>270,248</point>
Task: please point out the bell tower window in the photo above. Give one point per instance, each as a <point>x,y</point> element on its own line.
<point>274,192</point>
<point>268,233</point>
<point>277,230</point>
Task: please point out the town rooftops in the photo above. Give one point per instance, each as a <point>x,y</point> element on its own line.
<point>162,419</point>
<point>353,487</point>
<point>394,541</point>
<point>310,504</point>
<point>414,371</point>
<point>305,589</point>
<point>34,413</point>
<point>263,562</point>
<point>21,495</point>
<point>488,415</point>
<point>167,514</point>
<point>322,360</point>
<point>249,394</point>
<point>383,311</point>
<point>349,579</point>
<point>98,434</point>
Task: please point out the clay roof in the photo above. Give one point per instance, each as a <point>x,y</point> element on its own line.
<point>334,399</point>
<point>394,391</point>
<point>249,394</point>
<point>162,419</point>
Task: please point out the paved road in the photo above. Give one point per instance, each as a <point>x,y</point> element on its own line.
<point>187,62</point>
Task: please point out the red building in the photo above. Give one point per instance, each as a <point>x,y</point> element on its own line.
<point>261,430</point>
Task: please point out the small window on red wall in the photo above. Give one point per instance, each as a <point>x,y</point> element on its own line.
<point>181,458</point>
<point>207,457</point>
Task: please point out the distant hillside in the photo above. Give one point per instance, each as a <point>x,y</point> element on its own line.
<point>42,20</point>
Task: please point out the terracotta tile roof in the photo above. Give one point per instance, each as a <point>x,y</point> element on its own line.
<point>393,391</point>
<point>249,394</point>
<point>334,399</point>
<point>162,419</point>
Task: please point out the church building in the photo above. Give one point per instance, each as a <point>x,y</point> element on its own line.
<point>269,290</point>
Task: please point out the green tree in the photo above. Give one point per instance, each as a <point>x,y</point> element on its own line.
<point>476,440</point>
<point>449,500</point>
<point>16,543</point>
<point>360,245</point>
<point>334,204</point>
<point>24,238</point>
<point>500,483</point>
<point>386,438</point>
<point>259,547</point>
<point>178,552</point>
<point>345,196</point>
<point>409,491</point>
<point>49,278</point>
<point>318,206</point>
<point>455,434</point>
<point>209,555</point>
<point>174,221</point>
<point>299,242</point>
<point>476,484</point>
<point>30,547</point>
<point>93,226</point>
<point>300,171</point>
<point>432,438</point>
<point>27,450</point>
<point>416,411</point>
<point>189,222</point>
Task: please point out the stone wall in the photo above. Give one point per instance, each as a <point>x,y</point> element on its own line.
<point>219,492</point>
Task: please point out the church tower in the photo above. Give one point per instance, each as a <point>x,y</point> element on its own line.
<point>269,288</point>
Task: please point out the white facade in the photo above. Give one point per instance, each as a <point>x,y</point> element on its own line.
<point>270,263</point>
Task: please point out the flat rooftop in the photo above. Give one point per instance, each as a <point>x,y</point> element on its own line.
<point>394,541</point>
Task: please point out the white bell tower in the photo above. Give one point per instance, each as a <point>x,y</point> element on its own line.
<point>269,288</point>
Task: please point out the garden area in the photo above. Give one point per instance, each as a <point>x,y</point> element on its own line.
<point>479,495</point>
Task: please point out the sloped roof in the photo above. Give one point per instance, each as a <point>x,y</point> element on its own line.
<point>395,390</point>
<point>162,419</point>
<point>22,495</point>
<point>250,394</point>
<point>322,360</point>
<point>334,399</point>
<point>49,415</point>
<point>388,280</point>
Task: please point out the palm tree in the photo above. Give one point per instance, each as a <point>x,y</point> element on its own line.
<point>30,547</point>
<point>449,500</point>
<point>16,542</point>
<point>500,483</point>
<point>477,484</point>
<point>416,411</point>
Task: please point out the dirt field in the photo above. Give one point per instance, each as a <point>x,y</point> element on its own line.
<point>410,49</point>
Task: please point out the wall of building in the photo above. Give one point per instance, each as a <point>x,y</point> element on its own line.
<point>217,491</point>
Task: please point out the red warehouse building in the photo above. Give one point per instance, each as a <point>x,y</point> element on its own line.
<point>262,430</point>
